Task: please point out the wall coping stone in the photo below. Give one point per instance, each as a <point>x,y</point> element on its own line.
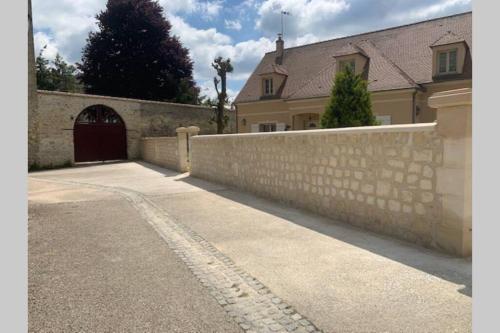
<point>47,92</point>
<point>423,127</point>
<point>451,98</point>
<point>159,138</point>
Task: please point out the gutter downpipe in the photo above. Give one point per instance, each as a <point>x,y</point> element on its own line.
<point>236,117</point>
<point>414,107</point>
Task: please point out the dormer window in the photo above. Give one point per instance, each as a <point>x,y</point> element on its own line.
<point>447,61</point>
<point>344,64</point>
<point>268,87</point>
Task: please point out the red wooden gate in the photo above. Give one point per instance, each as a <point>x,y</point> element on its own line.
<point>99,135</point>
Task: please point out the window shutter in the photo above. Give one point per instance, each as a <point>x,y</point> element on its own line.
<point>255,128</point>
<point>280,126</point>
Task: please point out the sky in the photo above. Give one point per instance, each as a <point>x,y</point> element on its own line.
<point>241,30</point>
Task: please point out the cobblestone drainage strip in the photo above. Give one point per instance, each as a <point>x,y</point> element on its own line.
<point>251,304</point>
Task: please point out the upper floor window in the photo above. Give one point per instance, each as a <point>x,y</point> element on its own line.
<point>447,62</point>
<point>344,64</point>
<point>268,87</point>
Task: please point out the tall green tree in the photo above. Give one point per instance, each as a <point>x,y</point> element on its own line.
<point>350,104</point>
<point>133,55</point>
<point>222,67</point>
<point>57,75</point>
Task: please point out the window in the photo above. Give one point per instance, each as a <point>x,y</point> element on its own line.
<point>384,120</point>
<point>269,127</point>
<point>268,87</point>
<point>447,62</point>
<point>347,63</point>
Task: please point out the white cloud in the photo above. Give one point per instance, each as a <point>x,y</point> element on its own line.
<point>67,23</point>
<point>206,44</point>
<point>314,17</point>
<point>432,10</point>
<point>232,24</point>
<point>42,40</point>
<point>178,7</point>
<point>210,10</point>
<point>207,9</point>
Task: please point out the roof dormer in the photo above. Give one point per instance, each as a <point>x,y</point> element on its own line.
<point>448,56</point>
<point>273,77</point>
<point>351,56</point>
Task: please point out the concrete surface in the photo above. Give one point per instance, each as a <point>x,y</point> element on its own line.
<point>343,279</point>
<point>95,266</point>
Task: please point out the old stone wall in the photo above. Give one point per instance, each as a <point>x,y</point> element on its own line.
<point>57,112</point>
<point>380,178</point>
<point>32,95</point>
<point>162,151</point>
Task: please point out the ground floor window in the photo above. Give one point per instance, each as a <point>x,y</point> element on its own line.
<point>384,120</point>
<point>267,127</point>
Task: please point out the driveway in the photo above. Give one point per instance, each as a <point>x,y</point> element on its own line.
<point>142,248</point>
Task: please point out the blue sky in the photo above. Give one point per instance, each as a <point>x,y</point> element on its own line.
<point>240,30</point>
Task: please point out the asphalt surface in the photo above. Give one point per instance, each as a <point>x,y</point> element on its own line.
<point>95,266</point>
<point>342,278</point>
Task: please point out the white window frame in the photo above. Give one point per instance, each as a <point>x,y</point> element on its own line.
<point>447,65</point>
<point>348,62</point>
<point>267,91</point>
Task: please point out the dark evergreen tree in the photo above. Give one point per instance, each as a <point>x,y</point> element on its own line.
<point>349,104</point>
<point>133,55</point>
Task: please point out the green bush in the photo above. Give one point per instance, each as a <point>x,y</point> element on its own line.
<point>350,104</point>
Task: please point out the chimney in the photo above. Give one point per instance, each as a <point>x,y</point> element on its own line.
<point>280,45</point>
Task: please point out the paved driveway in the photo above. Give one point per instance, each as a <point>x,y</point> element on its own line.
<point>328,275</point>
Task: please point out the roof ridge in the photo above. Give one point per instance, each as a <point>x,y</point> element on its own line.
<point>375,31</point>
<point>392,63</point>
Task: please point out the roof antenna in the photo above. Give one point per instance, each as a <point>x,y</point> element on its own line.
<point>282,23</point>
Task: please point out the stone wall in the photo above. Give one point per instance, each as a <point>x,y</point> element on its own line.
<point>390,179</point>
<point>382,178</point>
<point>32,95</point>
<point>162,151</point>
<point>57,111</point>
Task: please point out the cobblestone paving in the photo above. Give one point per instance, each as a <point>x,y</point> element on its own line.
<point>251,304</point>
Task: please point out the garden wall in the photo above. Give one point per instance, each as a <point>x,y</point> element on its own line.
<point>399,180</point>
<point>162,151</point>
<point>52,128</point>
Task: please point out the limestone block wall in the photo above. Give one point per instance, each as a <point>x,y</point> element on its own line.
<point>57,111</point>
<point>382,178</point>
<point>162,151</point>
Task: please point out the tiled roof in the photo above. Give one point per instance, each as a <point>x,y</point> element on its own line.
<point>400,57</point>
<point>448,38</point>
<point>273,68</point>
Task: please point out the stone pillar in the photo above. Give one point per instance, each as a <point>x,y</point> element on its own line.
<point>182,146</point>
<point>453,232</point>
<point>192,131</point>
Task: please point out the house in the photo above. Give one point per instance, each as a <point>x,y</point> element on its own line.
<point>403,65</point>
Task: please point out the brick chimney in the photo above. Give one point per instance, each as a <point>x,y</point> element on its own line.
<point>280,45</point>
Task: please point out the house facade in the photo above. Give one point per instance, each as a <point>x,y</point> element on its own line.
<point>403,65</point>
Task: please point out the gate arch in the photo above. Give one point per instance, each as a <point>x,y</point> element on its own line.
<point>99,134</point>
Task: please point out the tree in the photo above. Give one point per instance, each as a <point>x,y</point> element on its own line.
<point>222,67</point>
<point>133,55</point>
<point>349,104</point>
<point>58,75</point>
<point>43,74</point>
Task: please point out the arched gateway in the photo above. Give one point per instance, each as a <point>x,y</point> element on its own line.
<point>99,135</point>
